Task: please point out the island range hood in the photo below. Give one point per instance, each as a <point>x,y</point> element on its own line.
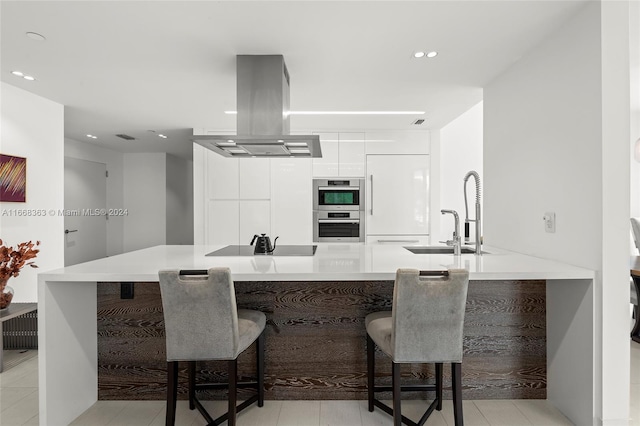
<point>262,88</point>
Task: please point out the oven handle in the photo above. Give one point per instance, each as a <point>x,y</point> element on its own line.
<point>338,221</point>
<point>338,188</point>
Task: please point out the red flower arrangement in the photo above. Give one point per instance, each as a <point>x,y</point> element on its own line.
<point>12,260</point>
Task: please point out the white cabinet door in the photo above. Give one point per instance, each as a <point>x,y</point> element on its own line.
<point>222,177</point>
<point>255,218</point>
<point>291,200</point>
<point>398,142</point>
<point>351,155</point>
<point>223,222</point>
<point>255,179</point>
<point>328,164</point>
<point>397,200</point>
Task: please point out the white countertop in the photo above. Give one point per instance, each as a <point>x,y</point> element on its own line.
<point>332,262</point>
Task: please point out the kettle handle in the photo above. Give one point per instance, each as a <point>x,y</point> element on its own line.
<point>253,239</point>
<point>274,243</point>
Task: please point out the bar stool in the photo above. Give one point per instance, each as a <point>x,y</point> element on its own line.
<point>202,323</point>
<point>425,325</point>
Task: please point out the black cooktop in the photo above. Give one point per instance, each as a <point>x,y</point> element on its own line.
<point>280,250</point>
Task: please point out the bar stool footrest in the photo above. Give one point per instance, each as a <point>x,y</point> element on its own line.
<point>384,407</point>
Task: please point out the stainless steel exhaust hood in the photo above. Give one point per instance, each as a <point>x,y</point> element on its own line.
<point>262,88</point>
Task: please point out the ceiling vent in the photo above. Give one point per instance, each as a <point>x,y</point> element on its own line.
<point>262,90</point>
<point>418,122</point>
<point>126,137</point>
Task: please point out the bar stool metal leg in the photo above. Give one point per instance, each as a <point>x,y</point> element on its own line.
<point>439,386</point>
<point>371,362</point>
<point>456,384</point>
<point>191,370</point>
<point>260,367</point>
<point>233,392</point>
<point>395,379</point>
<point>172,392</point>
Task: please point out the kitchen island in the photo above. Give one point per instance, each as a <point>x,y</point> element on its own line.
<point>68,305</point>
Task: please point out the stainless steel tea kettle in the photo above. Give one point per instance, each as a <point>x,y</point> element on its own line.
<point>263,244</point>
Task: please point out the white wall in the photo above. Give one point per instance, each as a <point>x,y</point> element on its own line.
<point>556,135</point>
<point>145,198</point>
<point>460,152</point>
<point>115,187</point>
<point>179,200</point>
<point>33,127</point>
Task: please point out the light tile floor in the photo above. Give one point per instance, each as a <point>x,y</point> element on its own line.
<point>19,406</point>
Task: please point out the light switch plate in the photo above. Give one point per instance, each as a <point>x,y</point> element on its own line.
<point>549,222</point>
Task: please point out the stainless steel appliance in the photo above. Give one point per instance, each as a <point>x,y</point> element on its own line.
<point>338,226</point>
<point>338,194</point>
<point>338,210</point>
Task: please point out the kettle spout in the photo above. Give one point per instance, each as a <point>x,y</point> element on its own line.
<point>274,244</point>
<point>253,239</point>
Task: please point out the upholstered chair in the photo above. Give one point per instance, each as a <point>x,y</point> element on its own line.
<point>425,325</point>
<point>202,323</point>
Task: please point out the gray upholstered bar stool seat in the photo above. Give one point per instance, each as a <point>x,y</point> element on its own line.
<point>202,323</point>
<point>425,325</point>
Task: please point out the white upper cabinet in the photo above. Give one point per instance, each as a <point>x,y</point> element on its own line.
<point>222,177</point>
<point>351,155</point>
<point>328,165</point>
<point>397,200</point>
<point>223,222</point>
<point>397,142</point>
<point>342,155</point>
<point>255,178</point>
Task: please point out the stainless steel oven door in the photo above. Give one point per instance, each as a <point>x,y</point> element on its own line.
<point>341,226</point>
<point>338,194</point>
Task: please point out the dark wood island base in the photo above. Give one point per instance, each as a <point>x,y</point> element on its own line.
<point>315,341</point>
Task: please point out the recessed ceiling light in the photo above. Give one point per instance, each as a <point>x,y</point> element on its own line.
<point>432,54</point>
<point>28,77</point>
<point>18,73</point>
<point>92,136</point>
<point>162,136</point>
<point>35,36</point>
<point>418,54</point>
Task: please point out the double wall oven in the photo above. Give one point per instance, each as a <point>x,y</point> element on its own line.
<point>338,210</point>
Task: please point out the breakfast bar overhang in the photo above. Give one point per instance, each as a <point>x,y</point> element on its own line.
<point>68,302</point>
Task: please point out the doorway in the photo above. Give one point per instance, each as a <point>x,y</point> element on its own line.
<point>85,203</point>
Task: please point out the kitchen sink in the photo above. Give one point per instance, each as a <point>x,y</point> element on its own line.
<point>439,250</point>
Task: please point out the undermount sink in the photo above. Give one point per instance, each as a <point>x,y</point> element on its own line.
<point>439,250</point>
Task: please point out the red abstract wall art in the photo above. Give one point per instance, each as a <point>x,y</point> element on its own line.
<point>13,178</point>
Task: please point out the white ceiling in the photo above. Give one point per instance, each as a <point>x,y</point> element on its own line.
<point>169,66</point>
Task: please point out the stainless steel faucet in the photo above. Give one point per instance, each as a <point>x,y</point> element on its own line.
<point>478,223</point>
<point>456,242</point>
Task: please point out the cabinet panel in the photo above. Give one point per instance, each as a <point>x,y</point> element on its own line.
<point>328,165</point>
<point>291,200</point>
<point>223,222</point>
<point>255,179</point>
<point>255,218</point>
<point>222,177</point>
<point>399,240</point>
<point>397,142</point>
<point>351,155</point>
<point>397,201</point>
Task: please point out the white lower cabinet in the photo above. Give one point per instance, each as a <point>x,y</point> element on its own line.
<point>397,195</point>
<point>255,218</point>
<point>291,200</point>
<point>223,222</point>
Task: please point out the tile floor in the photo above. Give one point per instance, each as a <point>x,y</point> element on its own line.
<point>19,406</point>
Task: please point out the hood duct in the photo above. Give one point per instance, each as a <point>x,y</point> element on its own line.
<point>262,90</point>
